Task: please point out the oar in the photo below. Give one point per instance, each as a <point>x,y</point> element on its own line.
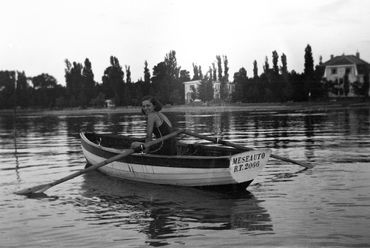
<point>227,143</point>
<point>42,188</point>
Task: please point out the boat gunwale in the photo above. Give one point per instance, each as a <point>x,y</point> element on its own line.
<point>117,151</point>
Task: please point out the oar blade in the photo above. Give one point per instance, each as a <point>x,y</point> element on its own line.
<point>33,190</point>
<point>304,164</point>
<point>301,163</point>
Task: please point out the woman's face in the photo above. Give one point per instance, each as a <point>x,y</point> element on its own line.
<point>147,106</point>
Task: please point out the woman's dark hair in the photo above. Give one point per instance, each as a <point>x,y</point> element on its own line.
<point>156,103</point>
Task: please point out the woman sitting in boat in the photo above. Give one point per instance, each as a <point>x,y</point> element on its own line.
<point>159,125</point>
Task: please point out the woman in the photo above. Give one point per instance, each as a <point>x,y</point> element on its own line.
<point>157,124</point>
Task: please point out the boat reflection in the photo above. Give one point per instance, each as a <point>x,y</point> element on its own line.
<point>168,211</point>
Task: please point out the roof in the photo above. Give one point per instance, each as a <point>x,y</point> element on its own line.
<point>345,60</point>
<point>192,82</point>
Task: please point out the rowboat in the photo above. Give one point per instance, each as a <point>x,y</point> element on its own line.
<point>194,165</point>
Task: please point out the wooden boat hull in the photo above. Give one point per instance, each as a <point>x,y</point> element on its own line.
<point>236,170</point>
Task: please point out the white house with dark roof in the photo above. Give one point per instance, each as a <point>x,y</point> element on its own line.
<point>190,86</point>
<point>346,73</point>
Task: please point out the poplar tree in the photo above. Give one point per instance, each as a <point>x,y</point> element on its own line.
<point>87,90</point>
<point>309,82</point>
<point>226,69</point>
<point>266,67</point>
<point>214,75</point>
<point>219,67</point>
<point>200,72</point>
<point>255,69</point>
<point>275,60</point>
<point>128,74</point>
<point>284,67</point>
<point>195,72</point>
<point>308,62</point>
<point>146,85</point>
<point>210,73</point>
<point>146,73</point>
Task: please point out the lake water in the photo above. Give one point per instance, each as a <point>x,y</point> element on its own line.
<point>285,206</point>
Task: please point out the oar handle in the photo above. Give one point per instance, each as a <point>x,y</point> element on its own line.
<point>227,143</point>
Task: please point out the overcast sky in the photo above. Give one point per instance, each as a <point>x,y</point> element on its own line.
<point>38,35</point>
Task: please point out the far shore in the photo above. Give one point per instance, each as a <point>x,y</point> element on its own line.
<point>249,107</point>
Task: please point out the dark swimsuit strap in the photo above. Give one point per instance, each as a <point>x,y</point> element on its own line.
<point>163,120</point>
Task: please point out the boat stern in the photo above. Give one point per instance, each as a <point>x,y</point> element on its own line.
<point>246,166</point>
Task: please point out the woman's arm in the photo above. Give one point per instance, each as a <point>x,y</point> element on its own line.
<point>149,127</point>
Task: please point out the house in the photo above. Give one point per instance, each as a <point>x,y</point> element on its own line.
<point>346,75</point>
<point>192,86</point>
<point>190,90</point>
<point>109,103</point>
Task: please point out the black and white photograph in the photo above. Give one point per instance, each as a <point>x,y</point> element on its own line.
<point>184,123</point>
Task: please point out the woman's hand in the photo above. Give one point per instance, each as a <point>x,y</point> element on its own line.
<point>136,144</point>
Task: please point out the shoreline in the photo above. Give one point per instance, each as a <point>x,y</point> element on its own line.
<point>251,107</point>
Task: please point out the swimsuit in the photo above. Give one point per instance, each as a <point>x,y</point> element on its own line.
<point>168,146</point>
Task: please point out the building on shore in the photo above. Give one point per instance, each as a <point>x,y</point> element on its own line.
<point>190,90</point>
<point>191,87</point>
<point>347,76</point>
<point>109,103</point>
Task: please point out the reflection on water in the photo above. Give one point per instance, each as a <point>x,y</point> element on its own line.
<point>163,212</point>
<point>326,206</point>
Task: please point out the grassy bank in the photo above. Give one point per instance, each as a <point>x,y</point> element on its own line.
<point>259,107</point>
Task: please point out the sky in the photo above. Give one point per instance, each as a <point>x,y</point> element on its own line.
<point>38,36</point>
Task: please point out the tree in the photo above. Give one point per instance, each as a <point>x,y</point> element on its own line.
<point>128,74</point>
<point>14,89</point>
<point>195,72</point>
<point>146,84</point>
<point>113,84</point>
<point>200,72</point>
<point>206,89</point>
<point>313,87</point>
<point>166,83</point>
<point>308,62</point>
<point>284,67</point>
<point>224,91</point>
<point>214,75</point>
<point>7,89</point>
<point>176,89</point>
<point>87,90</point>
<point>226,69</point>
<point>184,76</point>
<point>194,93</point>
<point>240,80</point>
<point>44,94</point>
<point>275,60</point>
<point>74,82</point>
<point>44,81</point>
<point>266,67</point>
<point>255,69</point>
<point>219,67</point>
<point>210,73</point>
<point>146,73</point>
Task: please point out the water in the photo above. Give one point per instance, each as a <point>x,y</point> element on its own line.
<point>328,205</point>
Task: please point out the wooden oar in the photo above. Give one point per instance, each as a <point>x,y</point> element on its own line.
<point>227,143</point>
<point>42,188</point>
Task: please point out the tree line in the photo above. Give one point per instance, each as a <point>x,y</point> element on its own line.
<point>275,83</point>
